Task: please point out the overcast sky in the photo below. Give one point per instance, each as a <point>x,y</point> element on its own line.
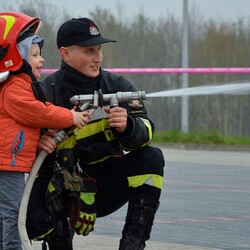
<point>221,9</point>
<point>228,10</point>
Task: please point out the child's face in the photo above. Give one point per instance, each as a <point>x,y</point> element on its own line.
<point>35,60</point>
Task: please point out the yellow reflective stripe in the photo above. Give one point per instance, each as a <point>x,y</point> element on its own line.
<point>10,20</point>
<point>70,142</point>
<point>95,128</point>
<point>150,131</point>
<point>150,134</point>
<point>102,159</point>
<point>51,188</point>
<point>139,180</point>
<point>40,237</point>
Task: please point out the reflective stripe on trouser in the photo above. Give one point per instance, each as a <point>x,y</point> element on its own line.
<point>149,179</point>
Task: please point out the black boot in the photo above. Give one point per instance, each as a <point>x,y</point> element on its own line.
<point>139,222</point>
<point>62,236</point>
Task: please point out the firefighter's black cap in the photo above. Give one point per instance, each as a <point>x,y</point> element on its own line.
<point>80,31</point>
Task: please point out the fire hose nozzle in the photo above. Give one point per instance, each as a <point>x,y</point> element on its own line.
<point>113,99</point>
<point>81,99</point>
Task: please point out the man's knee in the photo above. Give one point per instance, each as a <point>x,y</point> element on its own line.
<point>154,160</point>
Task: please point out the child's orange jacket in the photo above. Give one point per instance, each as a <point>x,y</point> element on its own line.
<point>21,118</point>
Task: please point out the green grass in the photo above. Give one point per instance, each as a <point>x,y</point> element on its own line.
<point>204,138</point>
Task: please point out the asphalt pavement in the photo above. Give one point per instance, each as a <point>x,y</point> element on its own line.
<point>205,205</point>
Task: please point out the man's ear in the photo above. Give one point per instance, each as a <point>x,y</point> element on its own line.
<point>65,54</point>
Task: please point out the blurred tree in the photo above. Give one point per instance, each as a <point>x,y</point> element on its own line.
<point>144,42</point>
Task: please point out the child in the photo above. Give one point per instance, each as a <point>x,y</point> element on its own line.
<point>22,116</point>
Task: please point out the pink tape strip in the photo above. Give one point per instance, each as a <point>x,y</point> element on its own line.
<point>171,70</point>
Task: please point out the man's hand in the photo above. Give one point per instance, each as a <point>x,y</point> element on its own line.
<point>117,118</point>
<point>47,143</point>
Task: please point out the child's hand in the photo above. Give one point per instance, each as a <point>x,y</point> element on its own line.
<point>81,118</point>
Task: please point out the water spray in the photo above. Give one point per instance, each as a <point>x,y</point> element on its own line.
<point>225,89</point>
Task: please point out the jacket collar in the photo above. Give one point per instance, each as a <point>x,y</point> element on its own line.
<point>78,82</point>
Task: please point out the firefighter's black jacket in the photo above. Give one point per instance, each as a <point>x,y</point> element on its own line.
<point>96,141</point>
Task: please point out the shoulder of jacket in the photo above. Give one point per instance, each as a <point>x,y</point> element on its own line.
<point>110,75</point>
<point>21,77</point>
<point>116,82</point>
<point>48,82</point>
<point>51,86</point>
<point>51,78</point>
<point>15,79</point>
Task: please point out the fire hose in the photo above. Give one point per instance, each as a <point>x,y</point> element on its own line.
<point>84,102</point>
<point>27,190</point>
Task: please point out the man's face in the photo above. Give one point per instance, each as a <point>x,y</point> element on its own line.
<point>85,59</point>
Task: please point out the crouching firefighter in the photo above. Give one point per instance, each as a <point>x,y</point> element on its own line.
<point>70,193</point>
<point>109,178</point>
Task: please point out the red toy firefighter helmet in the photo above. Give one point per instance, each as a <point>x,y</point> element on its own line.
<point>12,25</point>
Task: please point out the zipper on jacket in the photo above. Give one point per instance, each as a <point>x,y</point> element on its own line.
<point>18,147</point>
